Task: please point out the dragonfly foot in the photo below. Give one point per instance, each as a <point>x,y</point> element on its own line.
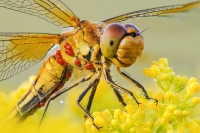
<point>97,127</point>
<point>155,100</point>
<point>138,103</point>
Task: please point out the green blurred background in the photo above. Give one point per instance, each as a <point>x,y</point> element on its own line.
<point>176,37</point>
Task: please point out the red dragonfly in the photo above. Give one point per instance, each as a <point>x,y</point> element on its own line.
<point>87,46</point>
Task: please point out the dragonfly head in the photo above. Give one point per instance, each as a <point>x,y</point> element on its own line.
<point>121,44</point>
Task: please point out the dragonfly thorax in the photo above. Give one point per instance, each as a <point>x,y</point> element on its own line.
<point>80,47</point>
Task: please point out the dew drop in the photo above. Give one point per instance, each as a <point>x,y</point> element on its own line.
<point>61,101</point>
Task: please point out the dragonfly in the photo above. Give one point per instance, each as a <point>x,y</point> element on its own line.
<point>88,46</point>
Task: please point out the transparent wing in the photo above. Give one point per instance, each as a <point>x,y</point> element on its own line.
<point>20,51</point>
<point>53,11</point>
<point>158,11</point>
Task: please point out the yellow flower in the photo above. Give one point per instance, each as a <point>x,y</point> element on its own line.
<point>195,101</point>
<point>193,87</point>
<point>171,114</point>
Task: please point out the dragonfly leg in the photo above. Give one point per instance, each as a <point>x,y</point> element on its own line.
<point>115,86</point>
<point>118,95</point>
<point>59,92</point>
<point>136,83</point>
<point>89,104</point>
<point>92,85</point>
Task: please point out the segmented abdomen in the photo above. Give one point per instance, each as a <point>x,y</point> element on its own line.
<point>51,77</point>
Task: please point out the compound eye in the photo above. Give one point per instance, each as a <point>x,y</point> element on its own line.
<point>111,38</point>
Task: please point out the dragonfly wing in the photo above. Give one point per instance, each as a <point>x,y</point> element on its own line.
<point>53,11</point>
<point>158,11</point>
<point>20,51</point>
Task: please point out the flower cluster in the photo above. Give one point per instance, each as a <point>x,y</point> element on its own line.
<point>171,114</point>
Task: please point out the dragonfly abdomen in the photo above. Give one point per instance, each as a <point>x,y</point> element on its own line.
<point>51,77</point>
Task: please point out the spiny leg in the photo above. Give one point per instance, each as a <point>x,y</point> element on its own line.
<point>115,86</point>
<point>89,104</point>
<point>93,83</point>
<point>119,97</point>
<point>136,83</point>
<point>58,93</point>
